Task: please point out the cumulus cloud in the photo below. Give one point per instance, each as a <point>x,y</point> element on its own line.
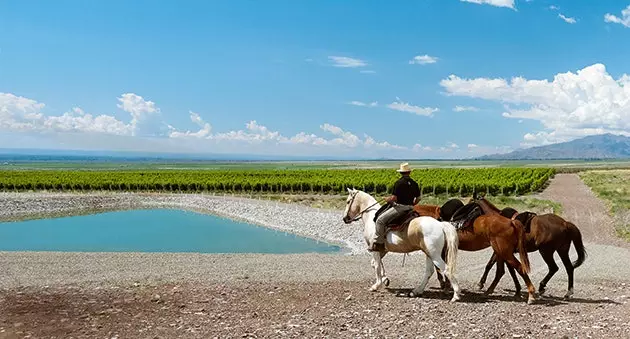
<point>204,132</point>
<point>423,60</point>
<point>497,3</point>
<point>23,114</point>
<point>567,19</point>
<point>341,61</point>
<point>398,105</point>
<point>572,105</point>
<point>420,148</point>
<point>623,20</point>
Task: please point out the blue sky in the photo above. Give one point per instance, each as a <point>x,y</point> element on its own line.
<point>417,79</point>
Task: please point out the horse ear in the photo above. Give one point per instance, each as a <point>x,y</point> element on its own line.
<point>349,190</point>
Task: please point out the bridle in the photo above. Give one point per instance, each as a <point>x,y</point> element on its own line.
<point>360,215</point>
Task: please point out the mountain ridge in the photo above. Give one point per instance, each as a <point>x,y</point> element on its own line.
<point>601,146</point>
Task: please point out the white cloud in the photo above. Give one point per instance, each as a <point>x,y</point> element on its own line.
<point>572,105</point>
<point>465,109</point>
<point>497,3</point>
<point>23,114</point>
<point>472,146</point>
<point>554,8</point>
<point>423,60</point>
<point>420,148</point>
<point>567,19</point>
<point>406,107</point>
<point>453,145</point>
<point>136,105</point>
<point>624,20</point>
<point>363,104</point>
<point>204,132</point>
<point>367,71</point>
<point>341,61</point>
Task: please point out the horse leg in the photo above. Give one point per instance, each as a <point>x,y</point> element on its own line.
<point>547,256</point>
<point>530,287</point>
<point>444,283</point>
<point>428,272</point>
<point>378,263</point>
<point>385,279</point>
<point>517,285</point>
<point>497,276</point>
<point>564,255</point>
<point>491,262</point>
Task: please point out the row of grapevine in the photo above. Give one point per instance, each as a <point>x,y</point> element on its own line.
<point>433,181</point>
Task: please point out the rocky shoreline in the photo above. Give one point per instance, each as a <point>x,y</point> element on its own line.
<point>319,224</point>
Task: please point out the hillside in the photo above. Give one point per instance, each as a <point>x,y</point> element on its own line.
<point>604,146</point>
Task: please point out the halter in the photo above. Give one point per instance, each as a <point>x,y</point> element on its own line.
<point>514,215</point>
<point>358,216</point>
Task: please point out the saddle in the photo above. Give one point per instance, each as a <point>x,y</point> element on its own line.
<point>466,215</point>
<point>398,223</point>
<point>525,218</point>
<point>402,222</point>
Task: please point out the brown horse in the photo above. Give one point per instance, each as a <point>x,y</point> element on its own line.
<point>546,233</point>
<point>504,235</point>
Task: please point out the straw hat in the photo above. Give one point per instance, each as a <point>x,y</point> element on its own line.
<point>404,168</point>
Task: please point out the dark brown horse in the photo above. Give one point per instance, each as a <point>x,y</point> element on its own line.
<point>547,234</point>
<point>504,235</point>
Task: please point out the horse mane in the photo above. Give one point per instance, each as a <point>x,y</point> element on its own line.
<point>487,206</point>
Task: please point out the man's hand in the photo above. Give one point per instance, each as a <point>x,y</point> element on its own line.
<point>391,198</point>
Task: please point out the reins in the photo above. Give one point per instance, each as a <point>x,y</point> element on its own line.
<point>365,210</point>
<point>358,216</point>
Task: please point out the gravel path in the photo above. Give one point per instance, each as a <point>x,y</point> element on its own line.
<point>148,295</point>
<point>582,207</point>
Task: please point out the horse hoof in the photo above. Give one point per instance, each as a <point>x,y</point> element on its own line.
<point>455,298</point>
<point>386,282</point>
<point>480,287</point>
<point>531,300</point>
<point>374,288</point>
<point>518,295</point>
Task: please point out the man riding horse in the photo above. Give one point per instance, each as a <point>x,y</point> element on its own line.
<point>405,195</point>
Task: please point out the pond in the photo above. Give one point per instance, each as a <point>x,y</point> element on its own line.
<point>156,230</point>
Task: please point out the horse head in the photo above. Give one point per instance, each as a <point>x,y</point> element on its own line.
<point>352,205</point>
<point>358,203</point>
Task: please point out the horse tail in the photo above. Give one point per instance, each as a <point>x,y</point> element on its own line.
<point>522,248</point>
<point>576,237</point>
<point>452,244</point>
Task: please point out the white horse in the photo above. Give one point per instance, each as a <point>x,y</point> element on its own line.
<point>423,233</point>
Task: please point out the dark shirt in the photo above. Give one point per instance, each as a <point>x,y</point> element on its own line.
<point>405,190</point>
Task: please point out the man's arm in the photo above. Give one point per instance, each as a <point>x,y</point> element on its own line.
<point>393,197</point>
<point>416,192</point>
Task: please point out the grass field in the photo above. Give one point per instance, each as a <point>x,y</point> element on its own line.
<point>613,186</point>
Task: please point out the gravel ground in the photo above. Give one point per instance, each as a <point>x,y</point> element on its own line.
<point>148,295</point>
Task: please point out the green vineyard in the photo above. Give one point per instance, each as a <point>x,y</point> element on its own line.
<point>494,181</point>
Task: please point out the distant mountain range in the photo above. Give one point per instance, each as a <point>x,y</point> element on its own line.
<point>604,146</point>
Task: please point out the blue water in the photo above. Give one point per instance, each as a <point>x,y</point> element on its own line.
<point>159,230</point>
